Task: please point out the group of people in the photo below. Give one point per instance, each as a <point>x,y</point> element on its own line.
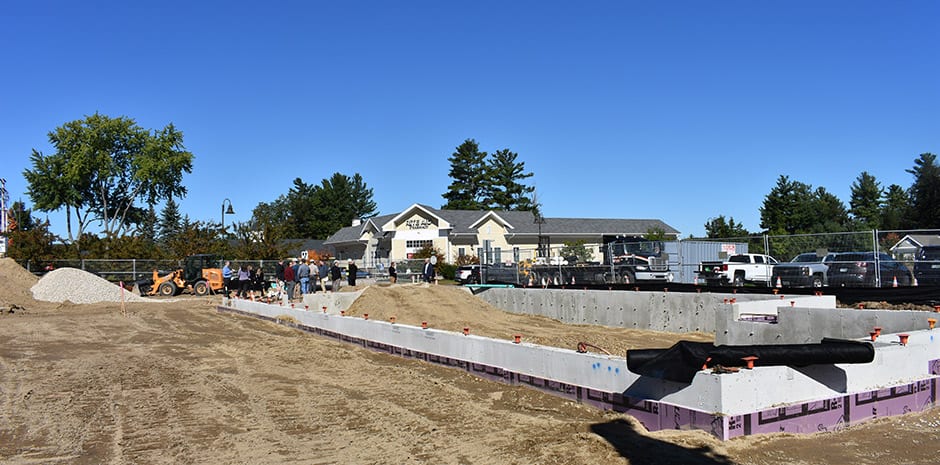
<point>304,276</point>
<point>244,281</point>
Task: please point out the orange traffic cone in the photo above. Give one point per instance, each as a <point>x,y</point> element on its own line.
<point>779,284</point>
<point>894,282</point>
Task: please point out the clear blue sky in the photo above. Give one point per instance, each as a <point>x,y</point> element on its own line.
<point>680,111</point>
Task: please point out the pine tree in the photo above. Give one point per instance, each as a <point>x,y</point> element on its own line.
<point>925,192</point>
<point>170,222</point>
<point>505,192</point>
<point>467,190</point>
<point>866,201</point>
<point>896,208</point>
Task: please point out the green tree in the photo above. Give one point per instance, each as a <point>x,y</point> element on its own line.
<point>504,190</point>
<point>896,206</point>
<point>317,211</point>
<point>722,228</point>
<point>576,249</point>
<point>828,213</point>
<point>866,202</point>
<point>468,187</point>
<point>108,165</point>
<point>786,209</point>
<point>925,192</point>
<point>170,221</point>
<point>339,200</point>
<point>28,238</point>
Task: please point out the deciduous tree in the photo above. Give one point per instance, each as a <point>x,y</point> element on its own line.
<point>103,167</point>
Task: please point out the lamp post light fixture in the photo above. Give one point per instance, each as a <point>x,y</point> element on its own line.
<point>224,212</point>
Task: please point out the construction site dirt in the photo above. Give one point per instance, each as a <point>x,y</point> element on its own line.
<point>179,382</point>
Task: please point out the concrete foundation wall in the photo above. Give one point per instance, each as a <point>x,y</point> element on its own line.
<point>728,394</point>
<point>659,311</point>
<point>799,325</point>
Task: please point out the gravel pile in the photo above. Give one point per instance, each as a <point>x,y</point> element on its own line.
<point>80,287</point>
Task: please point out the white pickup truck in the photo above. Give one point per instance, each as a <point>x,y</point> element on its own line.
<point>738,269</point>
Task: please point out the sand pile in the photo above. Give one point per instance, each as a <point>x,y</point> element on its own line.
<point>453,308</point>
<point>15,282</point>
<point>80,287</point>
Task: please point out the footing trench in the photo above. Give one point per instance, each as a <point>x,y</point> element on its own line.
<point>901,379</point>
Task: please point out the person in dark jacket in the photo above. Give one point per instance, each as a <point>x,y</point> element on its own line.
<point>323,270</point>
<point>336,276</point>
<point>289,281</point>
<point>351,271</point>
<point>428,271</point>
<point>392,273</point>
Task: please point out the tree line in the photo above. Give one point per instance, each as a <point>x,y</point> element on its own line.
<point>113,173</point>
<point>793,207</point>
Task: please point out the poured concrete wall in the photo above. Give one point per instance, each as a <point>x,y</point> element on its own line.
<point>659,311</point>
<point>799,325</point>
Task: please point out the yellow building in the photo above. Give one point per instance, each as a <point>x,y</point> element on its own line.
<point>493,236</point>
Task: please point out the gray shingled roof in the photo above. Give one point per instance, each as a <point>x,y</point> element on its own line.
<point>353,233</point>
<point>523,223</point>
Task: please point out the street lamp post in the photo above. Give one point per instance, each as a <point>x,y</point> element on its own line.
<point>224,212</point>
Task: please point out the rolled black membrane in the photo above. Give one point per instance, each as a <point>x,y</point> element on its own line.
<point>681,361</point>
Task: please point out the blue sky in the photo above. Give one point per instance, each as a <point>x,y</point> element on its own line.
<point>680,111</point>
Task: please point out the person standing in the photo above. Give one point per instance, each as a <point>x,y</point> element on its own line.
<point>244,280</point>
<point>336,275</point>
<point>351,271</point>
<point>324,271</point>
<point>227,277</point>
<point>279,275</point>
<point>257,280</point>
<point>392,273</point>
<point>289,281</point>
<point>428,271</point>
<point>303,275</point>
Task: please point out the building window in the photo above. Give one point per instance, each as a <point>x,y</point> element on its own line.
<point>461,252</point>
<point>481,256</point>
<point>497,255</point>
<point>417,244</point>
<point>515,254</point>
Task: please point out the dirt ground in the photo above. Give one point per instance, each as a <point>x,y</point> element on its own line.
<point>178,382</point>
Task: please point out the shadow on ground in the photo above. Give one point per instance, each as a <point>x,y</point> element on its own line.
<point>640,449</point>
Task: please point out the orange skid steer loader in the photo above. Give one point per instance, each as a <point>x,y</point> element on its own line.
<point>200,275</point>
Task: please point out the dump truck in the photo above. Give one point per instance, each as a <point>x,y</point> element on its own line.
<point>200,275</point>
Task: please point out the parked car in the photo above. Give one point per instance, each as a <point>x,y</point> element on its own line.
<point>804,270</point>
<point>468,274</point>
<point>927,265</point>
<point>857,269</point>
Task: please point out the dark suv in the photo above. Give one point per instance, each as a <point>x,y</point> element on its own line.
<point>927,265</point>
<point>857,269</point>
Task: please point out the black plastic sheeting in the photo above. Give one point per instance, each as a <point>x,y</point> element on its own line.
<point>681,361</point>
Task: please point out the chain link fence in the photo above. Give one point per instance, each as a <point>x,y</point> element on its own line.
<point>911,257</point>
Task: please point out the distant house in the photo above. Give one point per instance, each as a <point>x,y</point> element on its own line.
<point>907,247</point>
<point>492,235</point>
